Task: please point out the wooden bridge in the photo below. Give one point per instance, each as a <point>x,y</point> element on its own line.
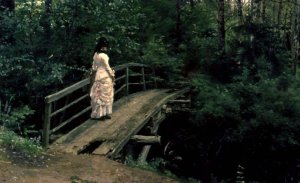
<point>137,114</point>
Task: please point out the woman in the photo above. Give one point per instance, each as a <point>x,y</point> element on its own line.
<point>102,92</point>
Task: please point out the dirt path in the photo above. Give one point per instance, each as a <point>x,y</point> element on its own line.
<point>66,168</point>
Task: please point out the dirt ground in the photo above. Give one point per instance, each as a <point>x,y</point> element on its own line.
<point>66,168</point>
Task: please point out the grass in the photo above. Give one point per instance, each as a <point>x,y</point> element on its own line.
<point>11,140</point>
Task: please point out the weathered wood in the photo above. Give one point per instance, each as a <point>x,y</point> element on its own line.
<point>66,91</point>
<point>136,83</point>
<point>91,130</point>
<point>153,75</point>
<point>144,154</point>
<point>180,101</point>
<point>143,78</point>
<point>146,139</point>
<point>69,105</point>
<point>112,148</point>
<point>46,126</point>
<point>70,119</point>
<point>136,74</point>
<point>127,81</point>
<point>81,84</point>
<point>121,77</point>
<point>124,66</point>
<point>155,125</point>
<point>118,90</point>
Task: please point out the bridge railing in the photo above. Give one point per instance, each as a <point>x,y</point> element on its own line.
<point>128,76</point>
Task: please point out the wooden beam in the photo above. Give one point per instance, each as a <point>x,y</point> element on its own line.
<point>66,91</point>
<point>70,119</point>
<point>118,90</point>
<point>180,101</point>
<point>124,66</point>
<point>145,139</point>
<point>69,105</point>
<point>121,77</point>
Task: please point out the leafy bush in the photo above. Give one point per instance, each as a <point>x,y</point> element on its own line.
<point>13,142</point>
<point>253,123</point>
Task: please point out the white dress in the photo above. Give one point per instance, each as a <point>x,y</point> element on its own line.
<point>102,92</point>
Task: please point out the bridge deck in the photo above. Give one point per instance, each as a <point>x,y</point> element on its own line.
<point>130,114</point>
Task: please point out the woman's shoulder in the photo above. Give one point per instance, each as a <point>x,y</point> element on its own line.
<point>100,55</point>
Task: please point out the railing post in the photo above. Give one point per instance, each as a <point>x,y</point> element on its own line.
<point>143,78</point>
<point>153,75</point>
<point>46,126</point>
<point>127,80</point>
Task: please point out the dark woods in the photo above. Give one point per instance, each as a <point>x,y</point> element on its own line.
<point>240,58</point>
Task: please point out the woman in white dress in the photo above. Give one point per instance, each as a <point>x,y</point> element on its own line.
<point>102,92</point>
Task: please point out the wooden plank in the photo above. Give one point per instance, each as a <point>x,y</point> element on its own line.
<point>116,144</point>
<point>92,130</point>
<point>68,90</point>
<point>180,101</point>
<point>146,139</point>
<point>69,105</point>
<point>70,119</point>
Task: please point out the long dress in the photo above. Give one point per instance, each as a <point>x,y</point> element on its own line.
<point>102,92</point>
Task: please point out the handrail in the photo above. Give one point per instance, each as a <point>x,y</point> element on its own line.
<point>50,100</point>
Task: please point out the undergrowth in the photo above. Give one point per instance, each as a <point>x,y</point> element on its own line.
<point>157,165</point>
<point>11,140</point>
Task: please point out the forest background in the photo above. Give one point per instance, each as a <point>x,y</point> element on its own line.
<point>240,57</point>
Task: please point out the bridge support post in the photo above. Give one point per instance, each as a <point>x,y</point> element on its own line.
<point>154,123</point>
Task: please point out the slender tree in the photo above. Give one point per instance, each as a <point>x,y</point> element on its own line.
<point>295,25</point>
<point>221,26</point>
<point>47,23</point>
<point>239,10</point>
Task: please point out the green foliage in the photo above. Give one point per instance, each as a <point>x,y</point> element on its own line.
<point>15,143</point>
<point>13,118</point>
<point>253,120</point>
<point>167,67</point>
<point>155,165</point>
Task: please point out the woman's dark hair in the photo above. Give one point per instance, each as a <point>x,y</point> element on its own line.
<point>102,42</point>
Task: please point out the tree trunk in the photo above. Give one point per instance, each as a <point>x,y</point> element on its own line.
<point>192,3</point>
<point>47,23</point>
<point>263,11</point>
<point>239,10</point>
<point>255,10</point>
<point>178,25</point>
<point>7,33</point>
<point>221,26</point>
<point>295,35</point>
<point>279,12</point>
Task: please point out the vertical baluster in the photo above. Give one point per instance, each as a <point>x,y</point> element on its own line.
<point>153,75</point>
<point>46,126</point>
<point>127,80</point>
<point>143,78</point>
